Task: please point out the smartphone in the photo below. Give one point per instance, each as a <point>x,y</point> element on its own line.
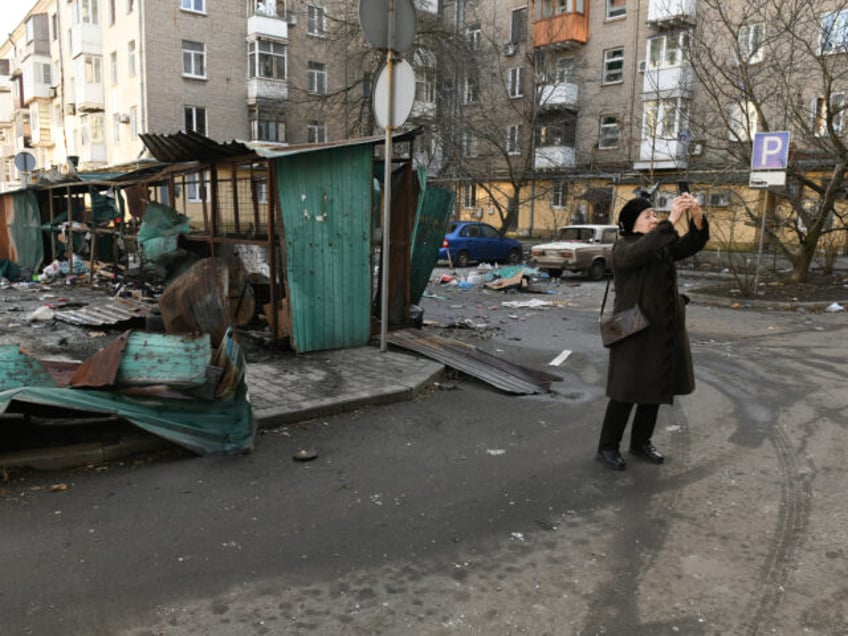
<point>683,187</point>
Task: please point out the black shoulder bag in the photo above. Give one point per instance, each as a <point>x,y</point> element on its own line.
<point>623,323</point>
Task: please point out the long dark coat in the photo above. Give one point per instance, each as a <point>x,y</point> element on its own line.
<point>653,365</point>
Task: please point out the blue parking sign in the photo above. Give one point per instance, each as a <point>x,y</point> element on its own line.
<point>771,151</point>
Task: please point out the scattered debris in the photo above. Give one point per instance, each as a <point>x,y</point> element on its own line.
<point>562,357</point>
<point>834,307</point>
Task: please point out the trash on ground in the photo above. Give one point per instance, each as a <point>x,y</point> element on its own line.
<point>834,307</point>
<point>562,357</point>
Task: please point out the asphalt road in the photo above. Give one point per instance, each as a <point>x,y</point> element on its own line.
<point>468,511</point>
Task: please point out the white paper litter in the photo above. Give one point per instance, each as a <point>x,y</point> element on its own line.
<point>562,357</point>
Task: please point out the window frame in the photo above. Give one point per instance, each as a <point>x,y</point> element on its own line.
<point>469,195</point>
<point>131,62</point>
<point>468,144</point>
<point>316,20</point>
<point>471,89</point>
<point>518,22</point>
<point>614,12</point>
<point>256,57</point>
<point>515,82</point>
<point>316,132</point>
<point>838,27</point>
<point>663,118</point>
<point>614,56</point>
<point>93,70</point>
<point>197,113</point>
<point>750,40</point>
<point>558,195</point>
<point>514,134</point>
<point>739,129</point>
<point>192,58</point>
<point>193,9</point>
<point>822,112</point>
<point>608,122</point>
<point>316,78</point>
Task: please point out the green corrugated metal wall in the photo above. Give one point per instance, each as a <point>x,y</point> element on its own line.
<point>431,222</point>
<point>325,204</point>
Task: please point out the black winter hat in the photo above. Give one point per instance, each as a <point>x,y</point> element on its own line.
<point>630,212</point>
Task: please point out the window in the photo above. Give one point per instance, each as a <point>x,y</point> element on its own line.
<point>88,12</point>
<point>474,37</point>
<point>469,195</point>
<point>471,94</point>
<point>316,76</point>
<point>663,118</point>
<point>616,8</point>
<point>518,27</point>
<point>564,70</point>
<point>113,67</point>
<point>198,6</point>
<point>91,129</point>
<point>131,58</point>
<point>668,50</point>
<point>266,59</point>
<point>558,195</point>
<point>194,59</point>
<point>54,25</point>
<point>93,70</point>
<point>425,85</point>
<point>111,12</point>
<point>116,128</point>
<point>195,119</point>
<point>822,112</point>
<point>133,122</point>
<point>265,129</point>
<point>834,32</point>
<point>751,43</point>
<point>130,6</point>
<point>261,191</point>
<point>195,187</point>
<point>609,132</point>
<point>316,21</point>
<point>46,72</point>
<point>513,139</point>
<point>743,122</point>
<point>468,144</point>
<point>514,81</point>
<point>613,66</point>
<point>565,6</point>
<point>316,132</point>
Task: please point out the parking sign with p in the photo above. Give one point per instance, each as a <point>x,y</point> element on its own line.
<point>769,159</point>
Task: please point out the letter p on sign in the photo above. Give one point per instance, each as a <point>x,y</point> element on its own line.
<point>771,151</point>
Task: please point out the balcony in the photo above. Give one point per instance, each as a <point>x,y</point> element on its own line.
<point>671,13</point>
<point>554,157</point>
<point>423,110</point>
<point>268,18</point>
<point>662,154</point>
<point>259,88</point>
<point>559,95</point>
<point>86,39</point>
<point>670,79</point>
<point>552,28</point>
<point>35,75</point>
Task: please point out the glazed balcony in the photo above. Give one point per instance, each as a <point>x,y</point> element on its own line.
<point>677,79</point>
<point>559,95</point>
<point>662,154</point>
<point>561,23</point>
<point>554,157</point>
<point>260,88</point>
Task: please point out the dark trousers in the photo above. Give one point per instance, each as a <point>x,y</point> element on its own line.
<point>615,421</point>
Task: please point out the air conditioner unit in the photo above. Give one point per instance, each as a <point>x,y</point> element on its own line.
<point>124,118</point>
<point>662,201</point>
<point>53,91</point>
<point>291,18</point>
<point>478,213</point>
<point>642,65</point>
<point>70,108</point>
<point>510,49</point>
<point>719,200</point>
<point>696,150</point>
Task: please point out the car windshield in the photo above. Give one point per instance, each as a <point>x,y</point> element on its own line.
<point>576,234</point>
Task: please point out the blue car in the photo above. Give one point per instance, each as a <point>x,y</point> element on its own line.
<point>472,241</point>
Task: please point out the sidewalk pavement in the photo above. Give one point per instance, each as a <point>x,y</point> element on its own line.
<point>285,389</point>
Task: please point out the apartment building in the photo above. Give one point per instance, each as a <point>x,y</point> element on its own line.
<point>81,79</point>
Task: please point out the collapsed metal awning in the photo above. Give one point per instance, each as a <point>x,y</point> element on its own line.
<point>500,373</point>
<point>113,312</point>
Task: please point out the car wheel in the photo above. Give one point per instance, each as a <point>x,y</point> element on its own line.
<point>514,257</point>
<point>553,273</point>
<point>597,270</point>
<point>462,259</point>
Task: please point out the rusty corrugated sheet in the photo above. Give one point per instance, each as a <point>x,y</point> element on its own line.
<point>101,369</point>
<point>190,146</point>
<point>500,373</point>
<point>112,312</point>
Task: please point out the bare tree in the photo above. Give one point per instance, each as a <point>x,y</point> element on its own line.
<point>770,66</point>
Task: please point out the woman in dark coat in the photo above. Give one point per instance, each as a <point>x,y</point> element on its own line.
<point>651,367</point>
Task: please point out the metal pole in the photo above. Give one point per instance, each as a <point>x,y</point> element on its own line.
<point>763,211</point>
<point>387,179</point>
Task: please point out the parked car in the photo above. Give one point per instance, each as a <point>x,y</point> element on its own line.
<point>472,241</point>
<point>578,248</point>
